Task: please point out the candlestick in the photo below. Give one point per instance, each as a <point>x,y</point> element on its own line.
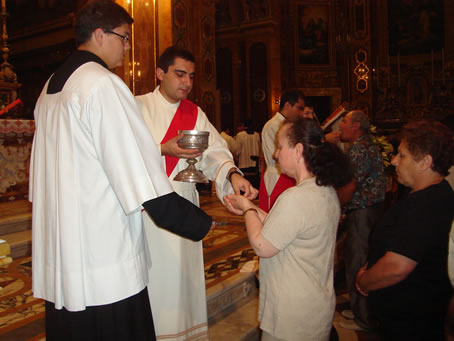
<point>432,53</point>
<point>378,74</point>
<point>443,64</point>
<point>389,74</point>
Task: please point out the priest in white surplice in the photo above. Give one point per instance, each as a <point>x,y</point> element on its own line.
<point>177,281</point>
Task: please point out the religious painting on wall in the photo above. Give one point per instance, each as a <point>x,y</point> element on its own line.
<point>415,26</point>
<point>313,43</point>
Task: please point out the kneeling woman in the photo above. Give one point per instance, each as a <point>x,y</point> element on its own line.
<point>296,239</point>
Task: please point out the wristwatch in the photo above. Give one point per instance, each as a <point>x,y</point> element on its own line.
<point>229,176</point>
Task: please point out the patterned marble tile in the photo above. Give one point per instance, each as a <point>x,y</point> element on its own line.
<point>227,266</point>
<point>226,250</point>
<point>18,307</point>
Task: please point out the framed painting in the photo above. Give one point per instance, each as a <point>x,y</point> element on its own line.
<point>415,27</point>
<point>313,37</point>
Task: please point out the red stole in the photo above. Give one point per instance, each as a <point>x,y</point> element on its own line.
<point>282,184</point>
<point>184,119</point>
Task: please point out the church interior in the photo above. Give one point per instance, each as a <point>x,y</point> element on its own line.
<point>390,58</point>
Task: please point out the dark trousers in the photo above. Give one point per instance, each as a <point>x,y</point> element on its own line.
<point>129,319</point>
<point>404,328</point>
<point>359,224</point>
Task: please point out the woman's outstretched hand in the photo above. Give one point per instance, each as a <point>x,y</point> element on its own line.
<point>236,204</point>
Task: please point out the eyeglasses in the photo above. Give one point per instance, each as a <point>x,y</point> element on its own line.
<point>124,37</point>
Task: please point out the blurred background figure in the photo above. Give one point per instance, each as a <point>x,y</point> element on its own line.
<point>233,146</point>
<point>239,128</point>
<point>248,144</point>
<point>309,112</point>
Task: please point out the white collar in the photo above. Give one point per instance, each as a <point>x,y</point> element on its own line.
<point>164,101</point>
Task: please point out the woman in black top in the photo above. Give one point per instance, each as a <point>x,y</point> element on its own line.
<point>406,276</point>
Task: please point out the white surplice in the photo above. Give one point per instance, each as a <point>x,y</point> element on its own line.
<point>249,145</point>
<point>177,281</point>
<point>91,168</point>
<point>269,131</point>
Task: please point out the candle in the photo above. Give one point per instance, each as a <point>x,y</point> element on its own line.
<point>398,69</point>
<point>443,64</point>
<point>389,73</point>
<point>432,53</point>
<point>378,74</point>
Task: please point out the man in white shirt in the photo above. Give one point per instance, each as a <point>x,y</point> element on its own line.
<point>93,167</point>
<point>177,285</point>
<point>273,183</point>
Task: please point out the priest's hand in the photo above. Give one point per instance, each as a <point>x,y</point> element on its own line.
<point>171,148</point>
<point>240,184</point>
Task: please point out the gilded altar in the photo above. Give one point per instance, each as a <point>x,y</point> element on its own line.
<point>16,137</point>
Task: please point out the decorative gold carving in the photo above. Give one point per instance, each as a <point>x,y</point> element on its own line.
<point>6,70</point>
<point>361,71</point>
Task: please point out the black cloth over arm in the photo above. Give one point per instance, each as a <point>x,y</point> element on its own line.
<point>178,215</point>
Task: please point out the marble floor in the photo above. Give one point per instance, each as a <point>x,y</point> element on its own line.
<point>226,250</point>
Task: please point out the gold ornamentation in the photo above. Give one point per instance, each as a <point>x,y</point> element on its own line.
<point>361,71</point>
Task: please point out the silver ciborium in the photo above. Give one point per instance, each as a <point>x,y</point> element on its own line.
<point>192,139</point>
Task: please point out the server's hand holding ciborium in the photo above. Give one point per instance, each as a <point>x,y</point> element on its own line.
<point>192,139</point>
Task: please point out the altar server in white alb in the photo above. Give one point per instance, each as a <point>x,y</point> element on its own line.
<point>94,165</point>
<point>177,282</point>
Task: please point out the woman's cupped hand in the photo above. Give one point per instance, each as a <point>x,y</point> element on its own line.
<point>237,204</point>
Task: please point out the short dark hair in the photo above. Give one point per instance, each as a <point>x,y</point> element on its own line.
<point>167,58</point>
<point>325,160</point>
<point>95,14</point>
<point>309,103</point>
<point>290,96</point>
<point>430,137</point>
